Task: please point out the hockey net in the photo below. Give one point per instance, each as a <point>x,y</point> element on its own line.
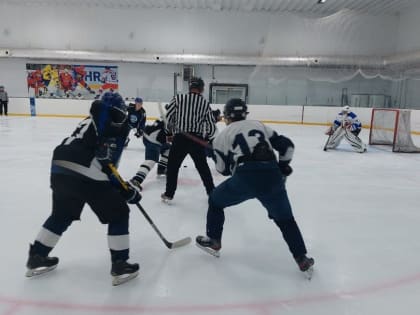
<point>392,127</point>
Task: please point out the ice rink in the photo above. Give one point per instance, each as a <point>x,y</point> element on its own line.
<point>359,215</point>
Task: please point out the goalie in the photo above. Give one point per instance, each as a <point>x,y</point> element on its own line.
<point>346,125</point>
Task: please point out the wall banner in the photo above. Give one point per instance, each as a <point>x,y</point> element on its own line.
<point>70,81</point>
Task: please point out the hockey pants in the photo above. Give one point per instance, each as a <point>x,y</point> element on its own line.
<point>264,182</point>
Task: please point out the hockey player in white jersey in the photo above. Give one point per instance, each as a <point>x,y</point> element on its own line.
<point>244,150</point>
<point>346,125</point>
<point>156,151</point>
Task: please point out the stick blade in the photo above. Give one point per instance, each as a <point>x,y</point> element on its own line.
<point>180,243</point>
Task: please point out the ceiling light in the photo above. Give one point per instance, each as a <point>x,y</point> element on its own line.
<point>321,1</point>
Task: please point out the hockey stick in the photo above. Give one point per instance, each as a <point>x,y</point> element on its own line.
<point>170,245</point>
<point>198,140</point>
<point>328,140</point>
<point>162,113</point>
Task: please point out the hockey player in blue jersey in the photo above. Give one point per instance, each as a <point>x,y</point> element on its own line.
<point>136,117</point>
<point>81,174</point>
<point>346,125</point>
<point>244,150</point>
<point>156,151</point>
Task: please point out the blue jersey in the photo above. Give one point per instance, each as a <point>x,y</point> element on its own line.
<point>136,118</point>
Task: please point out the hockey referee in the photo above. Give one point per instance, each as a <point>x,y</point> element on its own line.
<point>188,114</point>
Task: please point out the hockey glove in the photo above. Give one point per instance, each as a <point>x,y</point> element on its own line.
<point>348,125</point>
<point>285,168</point>
<point>330,131</point>
<point>131,194</point>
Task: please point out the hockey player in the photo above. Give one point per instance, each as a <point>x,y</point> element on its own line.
<point>109,79</point>
<point>244,150</point>
<point>79,74</point>
<point>46,77</point>
<point>81,174</point>
<point>346,125</point>
<point>156,151</point>
<point>35,82</point>
<point>136,117</point>
<point>66,80</point>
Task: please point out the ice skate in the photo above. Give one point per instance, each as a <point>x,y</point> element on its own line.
<point>306,265</point>
<point>161,171</point>
<point>209,245</point>
<point>166,199</point>
<point>38,264</point>
<point>122,271</point>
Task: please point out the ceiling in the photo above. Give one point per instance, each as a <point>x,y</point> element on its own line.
<point>308,7</point>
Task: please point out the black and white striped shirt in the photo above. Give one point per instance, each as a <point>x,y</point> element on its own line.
<point>190,113</point>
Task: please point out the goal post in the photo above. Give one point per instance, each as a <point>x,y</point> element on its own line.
<point>392,127</point>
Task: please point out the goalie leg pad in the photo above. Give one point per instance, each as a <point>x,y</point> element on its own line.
<point>336,138</point>
<point>356,143</point>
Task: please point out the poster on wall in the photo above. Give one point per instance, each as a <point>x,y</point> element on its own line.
<point>70,81</point>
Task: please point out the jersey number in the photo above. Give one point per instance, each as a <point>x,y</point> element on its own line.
<point>79,132</point>
<point>241,141</point>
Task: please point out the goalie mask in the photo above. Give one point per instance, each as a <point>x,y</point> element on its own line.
<point>235,109</point>
<point>345,109</point>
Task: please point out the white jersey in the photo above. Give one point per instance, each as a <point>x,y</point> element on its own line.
<point>239,139</point>
<point>109,76</point>
<point>348,120</point>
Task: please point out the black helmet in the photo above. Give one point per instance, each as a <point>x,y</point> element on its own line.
<point>235,109</point>
<point>196,83</point>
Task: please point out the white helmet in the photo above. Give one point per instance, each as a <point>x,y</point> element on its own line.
<point>346,109</point>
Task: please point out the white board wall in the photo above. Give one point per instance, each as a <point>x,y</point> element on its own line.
<point>323,115</point>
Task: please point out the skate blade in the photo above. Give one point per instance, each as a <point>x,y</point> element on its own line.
<point>309,273</point>
<point>166,201</point>
<point>117,280</point>
<point>39,271</point>
<point>215,253</point>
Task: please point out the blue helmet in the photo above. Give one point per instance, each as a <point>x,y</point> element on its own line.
<point>117,108</point>
<point>113,100</point>
<point>138,100</point>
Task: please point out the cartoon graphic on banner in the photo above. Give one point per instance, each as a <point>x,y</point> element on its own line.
<point>70,81</point>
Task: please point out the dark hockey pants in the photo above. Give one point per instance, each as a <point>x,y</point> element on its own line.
<point>70,194</point>
<point>261,180</point>
<point>181,146</point>
<point>3,107</point>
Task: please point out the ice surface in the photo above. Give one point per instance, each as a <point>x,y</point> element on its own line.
<point>359,215</point>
